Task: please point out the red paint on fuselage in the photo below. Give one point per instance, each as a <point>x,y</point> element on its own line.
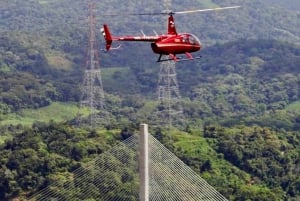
<point>177,44</point>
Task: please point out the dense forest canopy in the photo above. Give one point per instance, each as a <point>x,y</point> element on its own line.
<point>290,4</point>
<point>240,100</point>
<point>255,19</point>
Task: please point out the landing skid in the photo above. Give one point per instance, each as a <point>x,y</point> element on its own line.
<point>178,59</point>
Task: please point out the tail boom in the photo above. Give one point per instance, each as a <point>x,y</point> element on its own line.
<point>109,38</point>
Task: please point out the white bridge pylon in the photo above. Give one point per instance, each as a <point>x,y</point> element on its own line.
<point>139,168</point>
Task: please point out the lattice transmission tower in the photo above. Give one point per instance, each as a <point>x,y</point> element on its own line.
<point>168,93</point>
<point>170,107</point>
<point>92,94</point>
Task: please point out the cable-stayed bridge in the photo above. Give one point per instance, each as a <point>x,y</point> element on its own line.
<point>139,168</point>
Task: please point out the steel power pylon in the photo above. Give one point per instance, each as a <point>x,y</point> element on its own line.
<point>168,90</point>
<point>168,93</point>
<point>92,96</point>
<point>170,108</point>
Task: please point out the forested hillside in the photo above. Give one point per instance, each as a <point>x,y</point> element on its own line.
<point>67,24</point>
<point>254,163</point>
<point>241,100</point>
<point>289,4</point>
<point>244,79</point>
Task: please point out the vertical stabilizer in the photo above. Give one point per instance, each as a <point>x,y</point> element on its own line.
<point>171,26</point>
<point>107,36</point>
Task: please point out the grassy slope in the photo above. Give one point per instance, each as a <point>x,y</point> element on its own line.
<point>58,60</point>
<point>3,138</point>
<point>294,107</point>
<point>107,73</point>
<point>227,177</point>
<point>59,111</point>
<point>56,111</point>
<point>196,146</point>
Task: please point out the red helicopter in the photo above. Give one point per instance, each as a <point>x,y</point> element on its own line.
<point>171,44</point>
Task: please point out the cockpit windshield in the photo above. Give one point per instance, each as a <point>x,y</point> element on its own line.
<point>194,40</point>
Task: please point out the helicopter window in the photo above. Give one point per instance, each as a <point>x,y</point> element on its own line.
<point>194,40</point>
<point>185,39</point>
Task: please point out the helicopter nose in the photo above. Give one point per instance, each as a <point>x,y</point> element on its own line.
<point>196,48</point>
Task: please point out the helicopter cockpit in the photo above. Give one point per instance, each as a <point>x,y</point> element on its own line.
<point>194,40</point>
<point>190,39</point>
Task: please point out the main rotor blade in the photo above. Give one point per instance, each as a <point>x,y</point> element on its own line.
<point>204,10</point>
<point>127,14</point>
<point>147,13</point>
<point>172,13</point>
